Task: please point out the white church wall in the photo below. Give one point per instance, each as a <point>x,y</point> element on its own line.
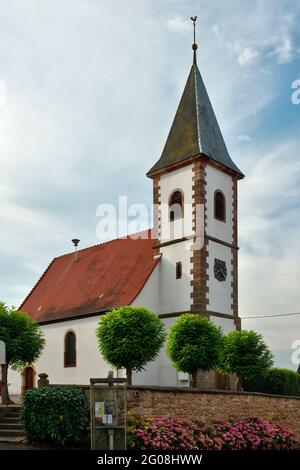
<point>89,362</point>
<point>219,180</point>
<point>159,372</point>
<point>219,294</point>
<point>175,294</point>
<point>149,295</point>
<point>226,324</point>
<point>180,179</point>
<point>163,293</point>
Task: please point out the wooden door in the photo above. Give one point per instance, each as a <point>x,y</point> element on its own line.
<point>28,378</point>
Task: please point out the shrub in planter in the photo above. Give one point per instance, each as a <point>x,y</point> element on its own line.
<point>172,433</point>
<point>57,415</point>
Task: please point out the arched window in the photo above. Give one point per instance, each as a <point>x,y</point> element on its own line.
<point>70,349</point>
<point>220,206</point>
<point>176,206</point>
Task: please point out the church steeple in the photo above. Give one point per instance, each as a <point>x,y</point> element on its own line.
<point>195,129</point>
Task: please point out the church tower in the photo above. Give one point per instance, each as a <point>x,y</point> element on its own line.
<point>195,213</point>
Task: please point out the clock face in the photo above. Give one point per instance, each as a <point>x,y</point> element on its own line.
<point>220,270</point>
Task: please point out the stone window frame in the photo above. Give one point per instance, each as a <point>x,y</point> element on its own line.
<point>172,203</point>
<point>67,362</point>
<point>217,216</point>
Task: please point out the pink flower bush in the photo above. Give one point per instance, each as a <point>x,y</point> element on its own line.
<point>172,433</point>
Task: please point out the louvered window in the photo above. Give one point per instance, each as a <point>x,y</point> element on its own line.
<point>178,270</point>
<point>220,206</point>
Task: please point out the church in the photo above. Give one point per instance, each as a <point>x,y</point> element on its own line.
<point>188,262</point>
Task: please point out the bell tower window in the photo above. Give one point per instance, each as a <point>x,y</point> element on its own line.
<point>176,206</point>
<point>220,206</point>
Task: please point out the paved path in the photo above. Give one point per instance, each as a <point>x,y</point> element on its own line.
<point>9,446</point>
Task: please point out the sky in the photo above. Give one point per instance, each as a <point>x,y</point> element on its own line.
<point>88,91</point>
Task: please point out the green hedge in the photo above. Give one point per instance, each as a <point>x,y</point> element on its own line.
<point>276,382</point>
<point>56,415</point>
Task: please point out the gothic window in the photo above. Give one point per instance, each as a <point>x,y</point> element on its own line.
<point>220,206</point>
<point>176,206</point>
<point>70,349</point>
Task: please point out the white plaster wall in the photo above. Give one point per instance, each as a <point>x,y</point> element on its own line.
<point>179,179</point>
<point>219,294</point>
<point>159,372</point>
<point>174,294</point>
<point>218,180</point>
<point>149,295</point>
<point>163,293</point>
<point>226,324</point>
<point>89,362</point>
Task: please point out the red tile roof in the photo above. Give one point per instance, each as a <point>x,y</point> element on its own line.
<point>105,276</point>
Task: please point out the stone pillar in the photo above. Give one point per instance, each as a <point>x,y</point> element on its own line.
<point>43,380</point>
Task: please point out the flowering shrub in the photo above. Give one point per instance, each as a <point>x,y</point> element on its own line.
<point>255,434</point>
<point>172,433</point>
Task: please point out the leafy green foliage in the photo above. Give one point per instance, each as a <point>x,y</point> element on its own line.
<point>130,337</point>
<point>56,415</point>
<point>23,339</point>
<point>276,381</point>
<point>245,354</point>
<point>194,343</point>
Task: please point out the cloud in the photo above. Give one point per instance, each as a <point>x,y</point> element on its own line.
<point>244,138</point>
<point>179,24</point>
<point>285,52</point>
<point>247,56</point>
<point>270,253</point>
<point>218,33</point>
<point>3,94</point>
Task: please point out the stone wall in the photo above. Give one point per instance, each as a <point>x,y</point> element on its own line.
<point>187,403</point>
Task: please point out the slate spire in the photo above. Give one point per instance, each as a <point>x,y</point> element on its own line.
<point>195,129</point>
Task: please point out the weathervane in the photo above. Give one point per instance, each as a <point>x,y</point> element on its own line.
<point>194,46</point>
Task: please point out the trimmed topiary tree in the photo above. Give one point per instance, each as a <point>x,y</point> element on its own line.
<point>23,340</point>
<point>130,337</point>
<point>194,343</point>
<point>246,355</point>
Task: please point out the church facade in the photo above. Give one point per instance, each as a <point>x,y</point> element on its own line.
<point>188,262</point>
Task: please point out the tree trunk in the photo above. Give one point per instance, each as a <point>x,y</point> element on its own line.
<point>239,382</point>
<point>5,396</point>
<point>194,379</point>
<point>129,376</point>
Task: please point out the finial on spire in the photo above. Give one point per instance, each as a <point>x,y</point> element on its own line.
<point>194,46</point>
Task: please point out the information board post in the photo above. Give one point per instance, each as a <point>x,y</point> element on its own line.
<point>108,413</point>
